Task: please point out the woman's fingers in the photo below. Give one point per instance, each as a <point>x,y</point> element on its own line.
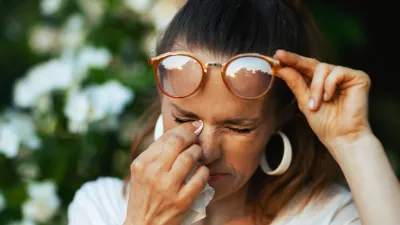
<point>173,142</point>
<point>335,77</point>
<point>161,154</point>
<point>185,162</point>
<point>344,78</point>
<point>322,71</point>
<point>296,83</point>
<point>300,63</point>
<point>325,79</point>
<point>195,185</point>
<point>296,71</point>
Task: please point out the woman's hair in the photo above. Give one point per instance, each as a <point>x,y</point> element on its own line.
<point>230,27</point>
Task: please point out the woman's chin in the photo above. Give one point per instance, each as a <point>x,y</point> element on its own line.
<point>221,190</point>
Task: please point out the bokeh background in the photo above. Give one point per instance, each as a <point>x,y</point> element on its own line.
<point>74,79</point>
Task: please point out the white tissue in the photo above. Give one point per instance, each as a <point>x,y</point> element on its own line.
<point>198,209</point>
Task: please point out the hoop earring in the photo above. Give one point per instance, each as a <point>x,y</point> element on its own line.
<point>286,158</point>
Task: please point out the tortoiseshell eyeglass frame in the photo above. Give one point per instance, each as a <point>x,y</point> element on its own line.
<point>155,62</point>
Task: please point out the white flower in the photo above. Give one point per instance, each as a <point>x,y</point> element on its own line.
<point>163,11</point>
<point>50,7</point>
<point>94,9</point>
<point>95,103</point>
<point>139,6</point>
<point>43,202</point>
<point>9,141</point>
<point>56,74</point>
<point>77,107</point>
<point>3,202</point>
<point>108,99</point>
<point>43,39</point>
<point>23,125</point>
<point>78,127</point>
<point>24,95</point>
<point>73,33</point>
<point>17,129</point>
<point>91,57</point>
<point>77,111</point>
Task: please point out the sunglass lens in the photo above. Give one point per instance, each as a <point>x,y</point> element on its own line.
<point>179,76</point>
<point>249,77</point>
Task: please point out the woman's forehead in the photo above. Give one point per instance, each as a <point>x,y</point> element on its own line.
<point>204,54</point>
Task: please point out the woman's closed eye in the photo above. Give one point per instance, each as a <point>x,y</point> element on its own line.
<point>236,130</point>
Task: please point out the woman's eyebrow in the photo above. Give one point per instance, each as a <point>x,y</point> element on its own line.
<point>242,121</point>
<point>184,112</point>
<point>235,121</point>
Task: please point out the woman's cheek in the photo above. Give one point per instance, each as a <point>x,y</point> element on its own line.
<point>242,155</point>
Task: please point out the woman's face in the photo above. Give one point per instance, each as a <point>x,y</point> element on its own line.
<point>235,130</point>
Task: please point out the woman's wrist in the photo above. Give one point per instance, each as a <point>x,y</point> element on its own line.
<point>371,178</point>
<point>356,145</point>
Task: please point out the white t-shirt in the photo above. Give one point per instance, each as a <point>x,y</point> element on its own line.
<point>101,202</point>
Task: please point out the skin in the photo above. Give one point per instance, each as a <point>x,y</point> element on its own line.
<point>335,104</point>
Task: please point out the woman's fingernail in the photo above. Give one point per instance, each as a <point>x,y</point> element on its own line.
<point>199,125</point>
<point>311,103</point>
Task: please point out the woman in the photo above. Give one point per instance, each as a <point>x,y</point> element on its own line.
<point>228,99</point>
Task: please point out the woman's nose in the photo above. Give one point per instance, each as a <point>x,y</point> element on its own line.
<point>208,141</point>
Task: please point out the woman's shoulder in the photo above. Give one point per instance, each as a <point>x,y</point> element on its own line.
<point>100,201</point>
<point>333,206</point>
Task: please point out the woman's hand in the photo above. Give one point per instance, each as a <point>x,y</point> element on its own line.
<point>335,101</point>
<point>158,194</point>
<point>336,106</point>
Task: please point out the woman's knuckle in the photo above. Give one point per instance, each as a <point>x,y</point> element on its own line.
<point>186,159</point>
<point>198,151</point>
<point>136,166</point>
<point>164,138</point>
<point>320,67</point>
<point>363,74</point>
<point>182,203</point>
<point>198,183</point>
<point>366,79</point>
<point>175,140</point>
<point>313,64</point>
<point>339,70</point>
<point>315,61</point>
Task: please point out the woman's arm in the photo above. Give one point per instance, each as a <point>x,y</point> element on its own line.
<point>375,187</point>
<point>335,104</point>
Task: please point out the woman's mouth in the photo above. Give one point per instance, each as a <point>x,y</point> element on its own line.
<point>214,177</point>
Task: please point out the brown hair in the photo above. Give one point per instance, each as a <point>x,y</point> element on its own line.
<point>231,27</point>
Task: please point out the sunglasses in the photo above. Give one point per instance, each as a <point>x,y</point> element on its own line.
<point>180,74</point>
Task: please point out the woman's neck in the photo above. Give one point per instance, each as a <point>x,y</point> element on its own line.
<point>230,210</point>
